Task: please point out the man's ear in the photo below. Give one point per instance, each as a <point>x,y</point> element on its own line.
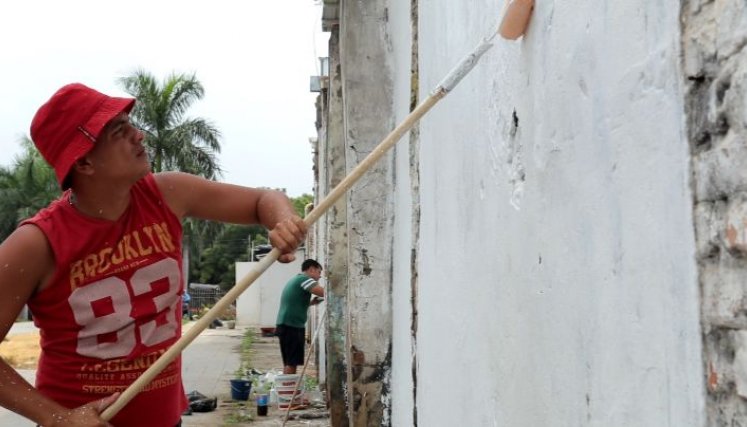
<point>83,166</point>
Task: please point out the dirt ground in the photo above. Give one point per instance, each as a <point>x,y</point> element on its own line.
<point>21,351</point>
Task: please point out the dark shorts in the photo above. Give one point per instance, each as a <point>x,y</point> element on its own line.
<point>292,341</point>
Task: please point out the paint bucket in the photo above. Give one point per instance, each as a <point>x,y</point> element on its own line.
<point>240,389</point>
<point>285,386</point>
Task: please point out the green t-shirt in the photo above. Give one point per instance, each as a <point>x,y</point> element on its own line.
<point>294,302</point>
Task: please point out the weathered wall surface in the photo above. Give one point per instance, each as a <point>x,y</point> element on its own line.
<point>557,278</point>
<point>358,253</point>
<point>368,116</point>
<point>715,65</point>
<point>335,256</point>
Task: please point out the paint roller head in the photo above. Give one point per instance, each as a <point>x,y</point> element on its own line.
<point>516,19</point>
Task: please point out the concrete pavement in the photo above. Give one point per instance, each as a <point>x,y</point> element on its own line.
<point>207,365</point>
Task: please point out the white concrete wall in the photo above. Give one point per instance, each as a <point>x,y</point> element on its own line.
<point>258,305</point>
<point>557,284</point>
<point>402,396</point>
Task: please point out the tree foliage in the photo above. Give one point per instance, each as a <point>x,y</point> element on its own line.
<point>174,141</point>
<point>216,264</point>
<point>300,202</point>
<point>25,187</point>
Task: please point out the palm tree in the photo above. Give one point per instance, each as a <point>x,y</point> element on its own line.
<point>174,141</point>
<point>25,187</point>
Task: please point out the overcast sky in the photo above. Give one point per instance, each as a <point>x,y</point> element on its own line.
<point>254,59</point>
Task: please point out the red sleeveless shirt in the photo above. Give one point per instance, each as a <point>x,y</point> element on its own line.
<point>113,306</point>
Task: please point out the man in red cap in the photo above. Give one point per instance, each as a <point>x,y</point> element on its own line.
<point>100,268</point>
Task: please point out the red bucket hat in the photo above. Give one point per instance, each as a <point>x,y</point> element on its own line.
<point>66,127</point>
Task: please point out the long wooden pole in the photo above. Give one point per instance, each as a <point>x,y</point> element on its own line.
<point>446,85</point>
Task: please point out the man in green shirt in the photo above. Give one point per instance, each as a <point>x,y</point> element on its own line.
<point>294,304</point>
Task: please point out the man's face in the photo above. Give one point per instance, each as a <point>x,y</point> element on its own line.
<point>119,152</point>
<point>314,273</point>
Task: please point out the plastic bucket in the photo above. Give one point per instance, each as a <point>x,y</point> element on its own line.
<point>285,385</point>
<point>240,389</point>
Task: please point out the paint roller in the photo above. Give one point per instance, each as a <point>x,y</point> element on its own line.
<point>513,25</point>
<point>516,19</point>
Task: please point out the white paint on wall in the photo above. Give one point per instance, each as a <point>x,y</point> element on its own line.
<point>556,257</point>
<point>258,305</point>
<point>249,303</point>
<point>402,401</point>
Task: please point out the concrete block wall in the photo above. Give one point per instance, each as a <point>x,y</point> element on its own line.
<point>714,35</point>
